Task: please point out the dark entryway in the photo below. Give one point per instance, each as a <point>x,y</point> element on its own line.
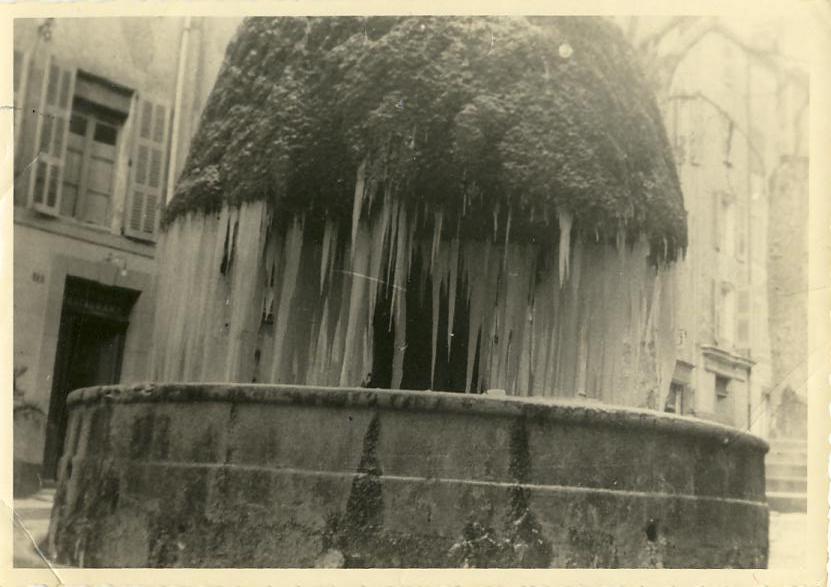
<point>94,322</point>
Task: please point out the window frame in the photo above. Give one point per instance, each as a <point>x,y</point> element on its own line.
<point>726,388</point>
<point>94,115</point>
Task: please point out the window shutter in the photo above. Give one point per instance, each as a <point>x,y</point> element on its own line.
<point>46,175</point>
<point>147,179</point>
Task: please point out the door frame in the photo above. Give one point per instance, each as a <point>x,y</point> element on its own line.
<point>74,310</point>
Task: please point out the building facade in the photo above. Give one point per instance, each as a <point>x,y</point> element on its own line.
<point>735,101</point>
<point>97,105</point>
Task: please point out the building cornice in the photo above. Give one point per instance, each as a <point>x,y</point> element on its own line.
<point>724,362</point>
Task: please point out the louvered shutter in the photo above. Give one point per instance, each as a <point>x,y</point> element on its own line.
<point>149,163</point>
<point>46,175</point>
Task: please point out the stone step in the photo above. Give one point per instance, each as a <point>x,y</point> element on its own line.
<point>782,501</point>
<point>774,470</point>
<point>787,484</point>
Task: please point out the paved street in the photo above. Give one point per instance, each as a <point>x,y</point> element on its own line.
<point>787,533</point>
<point>787,540</point>
<point>31,526</point>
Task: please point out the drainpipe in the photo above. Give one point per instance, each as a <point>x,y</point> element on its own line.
<point>177,107</point>
<point>749,249</point>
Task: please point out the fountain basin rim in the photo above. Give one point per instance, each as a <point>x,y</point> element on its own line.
<point>535,408</point>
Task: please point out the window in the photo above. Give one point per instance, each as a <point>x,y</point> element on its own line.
<point>91,155</point>
<point>724,222</point>
<point>675,399</point>
<point>722,386</point>
<point>728,225</point>
<point>88,133</point>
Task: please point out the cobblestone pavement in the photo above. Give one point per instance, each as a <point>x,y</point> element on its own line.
<point>787,533</point>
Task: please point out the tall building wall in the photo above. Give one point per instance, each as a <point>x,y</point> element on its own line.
<point>82,88</point>
<point>734,103</point>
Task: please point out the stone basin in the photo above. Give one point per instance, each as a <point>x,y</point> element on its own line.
<point>243,476</point>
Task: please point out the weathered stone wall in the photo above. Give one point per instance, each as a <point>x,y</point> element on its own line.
<point>286,476</point>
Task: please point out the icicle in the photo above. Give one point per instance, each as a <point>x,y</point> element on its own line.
<point>357,299</point>
<point>291,254</point>
<point>475,272</point>
<point>377,250</point>
<point>565,219</point>
<point>357,204</point>
<point>507,240</point>
<point>325,249</point>
<point>437,225</point>
<point>320,359</point>
<point>399,312</point>
<point>495,222</point>
<point>392,240</point>
<point>451,296</point>
<point>436,299</point>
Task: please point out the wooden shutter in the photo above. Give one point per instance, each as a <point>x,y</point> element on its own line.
<point>46,175</point>
<point>149,163</point>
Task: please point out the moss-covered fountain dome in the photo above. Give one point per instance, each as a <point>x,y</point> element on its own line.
<point>474,117</point>
<point>451,203</point>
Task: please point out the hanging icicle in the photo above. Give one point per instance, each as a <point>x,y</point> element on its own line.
<point>564,219</point>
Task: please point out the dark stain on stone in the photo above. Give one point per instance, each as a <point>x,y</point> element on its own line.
<point>521,544</point>
<point>161,438</point>
<point>591,549</point>
<point>141,436</point>
<point>520,464</point>
<point>204,448</point>
<point>99,434</point>
<point>195,495</point>
<point>99,486</point>
<point>525,535</point>
<point>356,533</point>
<point>652,530</point>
